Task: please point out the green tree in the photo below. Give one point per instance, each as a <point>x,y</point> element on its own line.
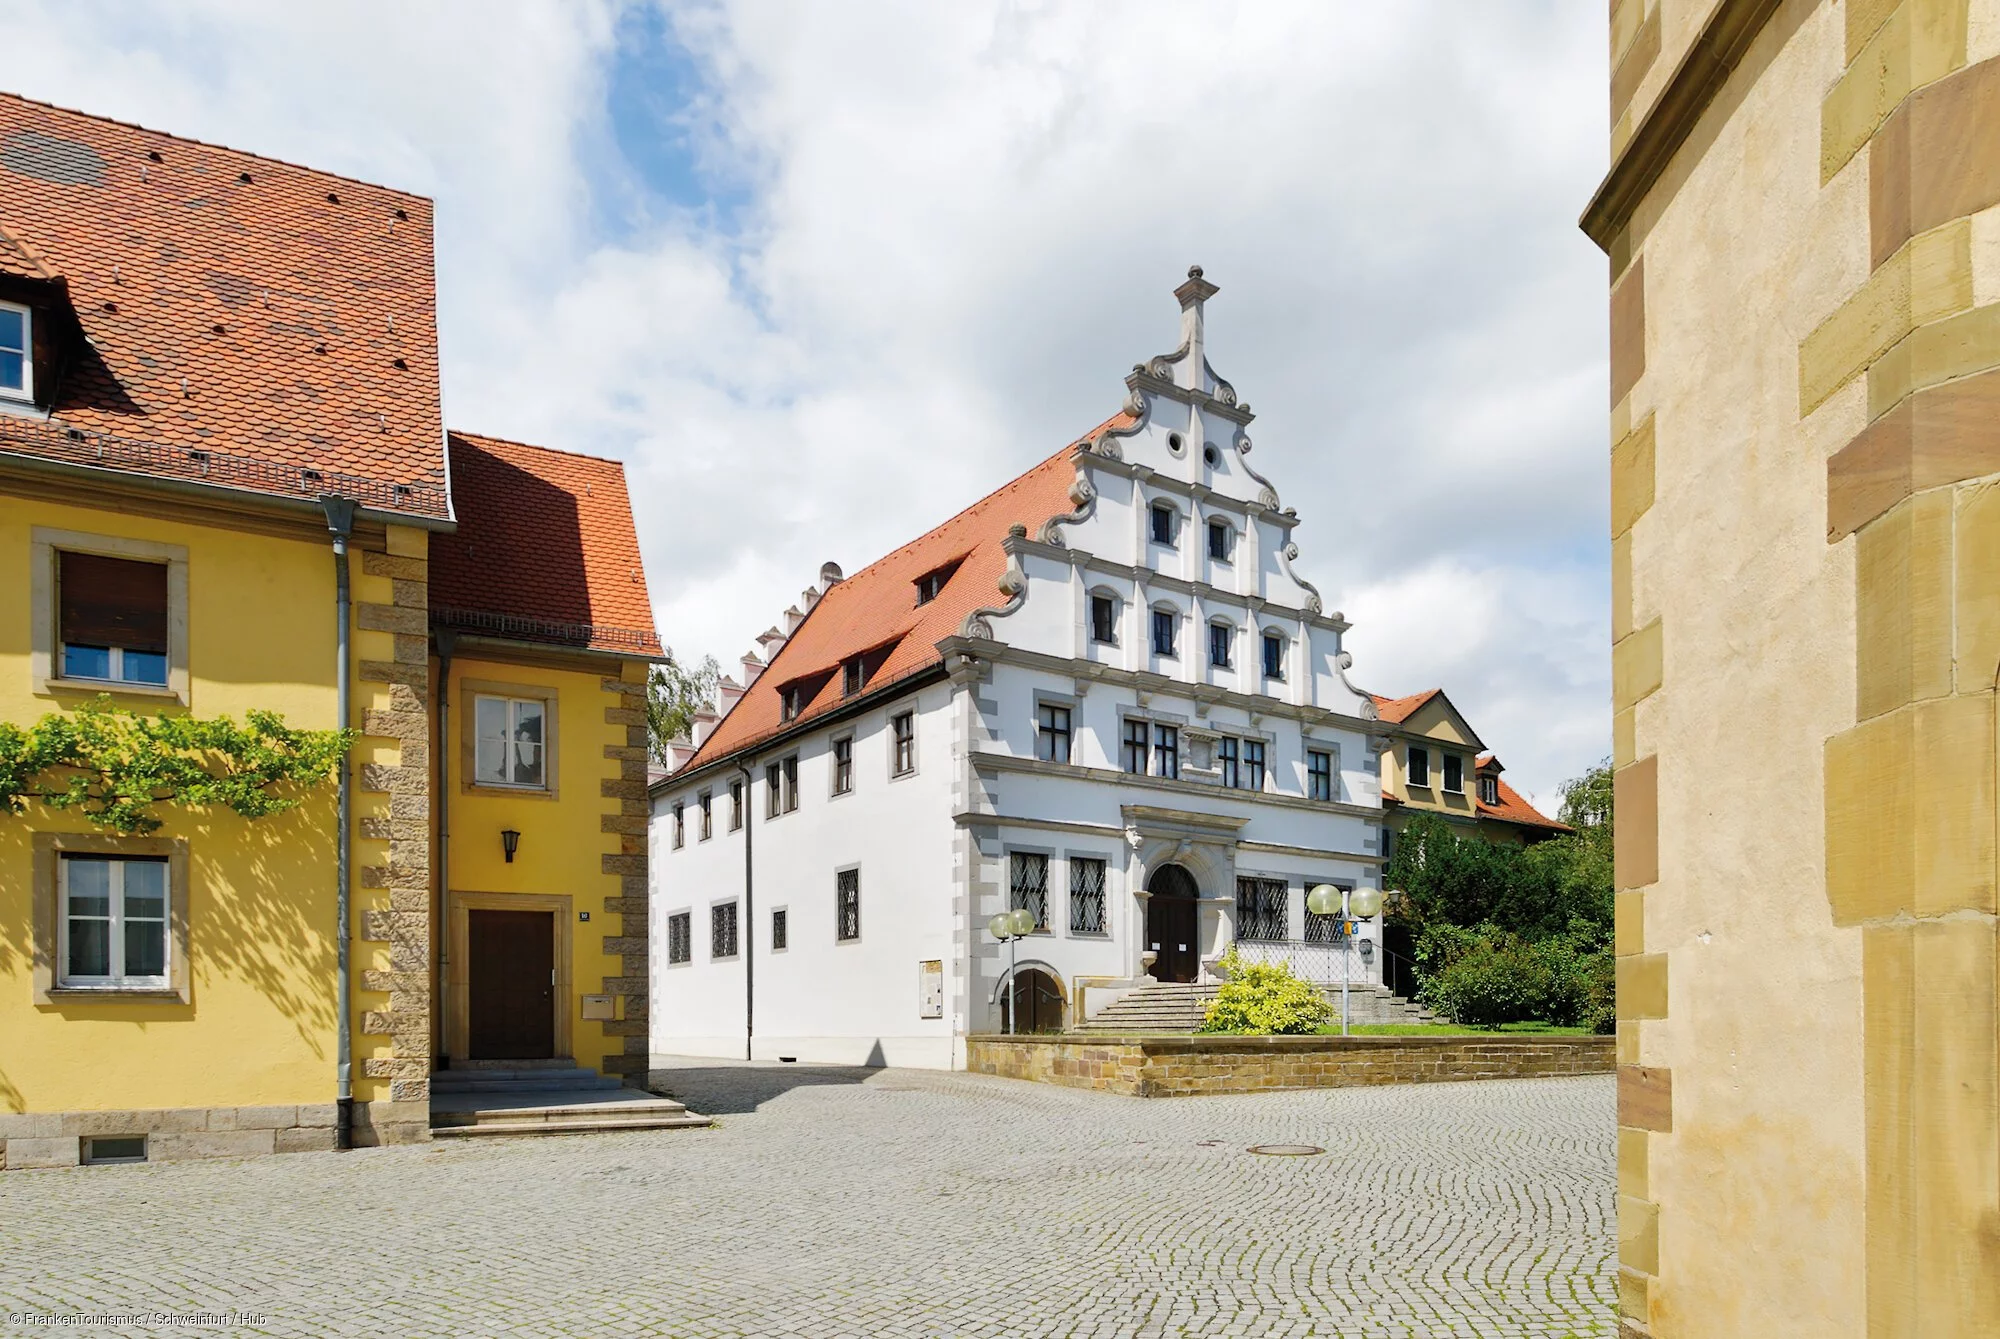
<point>674,693</point>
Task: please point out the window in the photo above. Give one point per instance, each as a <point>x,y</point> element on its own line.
<point>1103,619</point>
<point>1454,774</point>
<point>1164,517</point>
<point>791,766</point>
<point>851,677</point>
<point>680,825</point>
<point>791,700</point>
<point>507,741</point>
<point>1221,540</point>
<point>114,921</point>
<point>680,937</point>
<point>847,905</point>
<point>774,790</point>
<point>1319,774</point>
<point>722,930</point>
<point>1052,734</point>
<point>1135,747</point>
<point>843,766</point>
<point>1221,637</point>
<point>735,805</point>
<point>1326,929</point>
<point>1489,790</point>
<point>1260,909</point>
<point>1086,895</point>
<point>112,618</point>
<point>707,803</point>
<point>904,729</point>
<point>1167,750</point>
<point>1226,762</point>
<point>17,357</point>
<point>931,583</point>
<point>1165,622</point>
<point>1253,764</point>
<point>780,929</point>
<point>1420,766</point>
<point>1274,656</point>
<point>1030,887</point>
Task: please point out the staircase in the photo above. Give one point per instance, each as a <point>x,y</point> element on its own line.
<point>554,1097</point>
<point>1169,1008</point>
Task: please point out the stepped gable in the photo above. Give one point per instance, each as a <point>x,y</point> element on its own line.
<point>875,611</point>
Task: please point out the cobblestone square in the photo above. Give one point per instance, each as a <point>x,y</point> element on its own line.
<point>831,1202</point>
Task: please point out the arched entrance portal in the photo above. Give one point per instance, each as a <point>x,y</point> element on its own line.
<point>1173,924</point>
<point>1035,1001</point>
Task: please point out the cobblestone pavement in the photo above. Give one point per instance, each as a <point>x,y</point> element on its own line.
<point>891,1202</point>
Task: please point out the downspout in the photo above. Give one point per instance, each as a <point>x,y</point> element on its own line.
<point>749,914</point>
<point>447,641</point>
<point>340,520</point>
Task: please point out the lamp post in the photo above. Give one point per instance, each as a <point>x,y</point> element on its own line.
<point>1326,900</point>
<point>1010,926</point>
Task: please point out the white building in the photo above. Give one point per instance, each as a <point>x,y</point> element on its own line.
<point>1100,692</point>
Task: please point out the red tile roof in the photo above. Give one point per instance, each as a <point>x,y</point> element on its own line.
<point>545,550</point>
<point>276,318</point>
<point>1512,808</point>
<point>876,609</point>
<point>1396,710</point>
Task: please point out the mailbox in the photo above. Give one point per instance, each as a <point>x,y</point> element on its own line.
<point>602,1007</point>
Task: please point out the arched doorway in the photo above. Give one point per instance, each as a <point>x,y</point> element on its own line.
<point>1035,1001</point>
<point>1173,924</point>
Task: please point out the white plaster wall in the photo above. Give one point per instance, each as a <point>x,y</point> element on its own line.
<point>819,999</point>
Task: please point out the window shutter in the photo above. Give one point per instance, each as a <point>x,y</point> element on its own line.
<point>112,602</point>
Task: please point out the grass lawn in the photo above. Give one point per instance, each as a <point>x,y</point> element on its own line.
<point>1453,1029</point>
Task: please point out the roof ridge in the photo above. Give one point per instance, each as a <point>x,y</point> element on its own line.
<point>534,446</point>
<point>101,119</point>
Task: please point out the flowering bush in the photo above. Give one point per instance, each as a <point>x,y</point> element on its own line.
<point>1264,999</point>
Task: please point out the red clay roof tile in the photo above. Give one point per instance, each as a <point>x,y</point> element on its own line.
<point>545,549</point>
<point>1396,710</point>
<point>275,318</point>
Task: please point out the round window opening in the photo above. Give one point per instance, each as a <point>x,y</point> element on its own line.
<point>1211,455</point>
<point>1174,442</point>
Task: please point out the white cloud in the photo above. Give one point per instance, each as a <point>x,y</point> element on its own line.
<point>958,225</point>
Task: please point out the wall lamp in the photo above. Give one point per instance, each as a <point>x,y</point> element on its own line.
<point>509,841</point>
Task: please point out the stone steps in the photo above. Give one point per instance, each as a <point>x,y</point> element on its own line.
<point>1172,1008</point>
<point>544,1100</point>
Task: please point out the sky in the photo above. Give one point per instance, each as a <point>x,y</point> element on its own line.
<point>822,274</point>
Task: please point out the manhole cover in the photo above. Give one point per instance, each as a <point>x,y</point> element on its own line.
<point>1286,1150</point>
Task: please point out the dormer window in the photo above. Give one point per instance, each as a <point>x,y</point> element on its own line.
<point>17,362</point>
<point>1489,790</point>
<point>791,701</point>
<point>852,677</point>
<point>1164,518</point>
<point>931,583</point>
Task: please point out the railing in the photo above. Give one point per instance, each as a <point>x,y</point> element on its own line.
<point>1321,963</point>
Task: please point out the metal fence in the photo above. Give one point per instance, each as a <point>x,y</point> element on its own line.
<point>1319,963</point>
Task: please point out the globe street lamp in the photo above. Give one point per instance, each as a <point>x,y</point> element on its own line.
<point>1010,926</point>
<point>1327,900</point>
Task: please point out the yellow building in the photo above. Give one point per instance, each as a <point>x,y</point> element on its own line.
<point>1433,763</point>
<point>219,432</point>
<point>1802,217</point>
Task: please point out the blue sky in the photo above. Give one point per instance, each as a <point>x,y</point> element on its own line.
<point>822,274</point>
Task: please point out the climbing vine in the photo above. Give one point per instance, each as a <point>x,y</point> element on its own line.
<point>114,765</point>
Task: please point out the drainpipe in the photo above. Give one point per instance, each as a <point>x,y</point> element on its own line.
<point>340,520</point>
<point>447,641</point>
<point>749,915</point>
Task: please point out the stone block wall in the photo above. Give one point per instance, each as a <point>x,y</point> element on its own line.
<point>57,1138</point>
<point>1202,1066</point>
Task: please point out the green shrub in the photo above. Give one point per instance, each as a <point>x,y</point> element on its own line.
<point>1485,977</point>
<point>1264,999</point>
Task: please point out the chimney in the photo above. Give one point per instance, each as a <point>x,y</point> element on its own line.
<point>704,725</point>
<point>829,576</point>
<point>773,642</point>
<point>809,597</point>
<point>752,667</point>
<point>792,620</point>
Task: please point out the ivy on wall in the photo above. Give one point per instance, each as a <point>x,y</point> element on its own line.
<point>114,765</point>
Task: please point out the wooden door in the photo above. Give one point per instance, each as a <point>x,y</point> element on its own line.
<point>1172,922</point>
<point>510,985</point>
